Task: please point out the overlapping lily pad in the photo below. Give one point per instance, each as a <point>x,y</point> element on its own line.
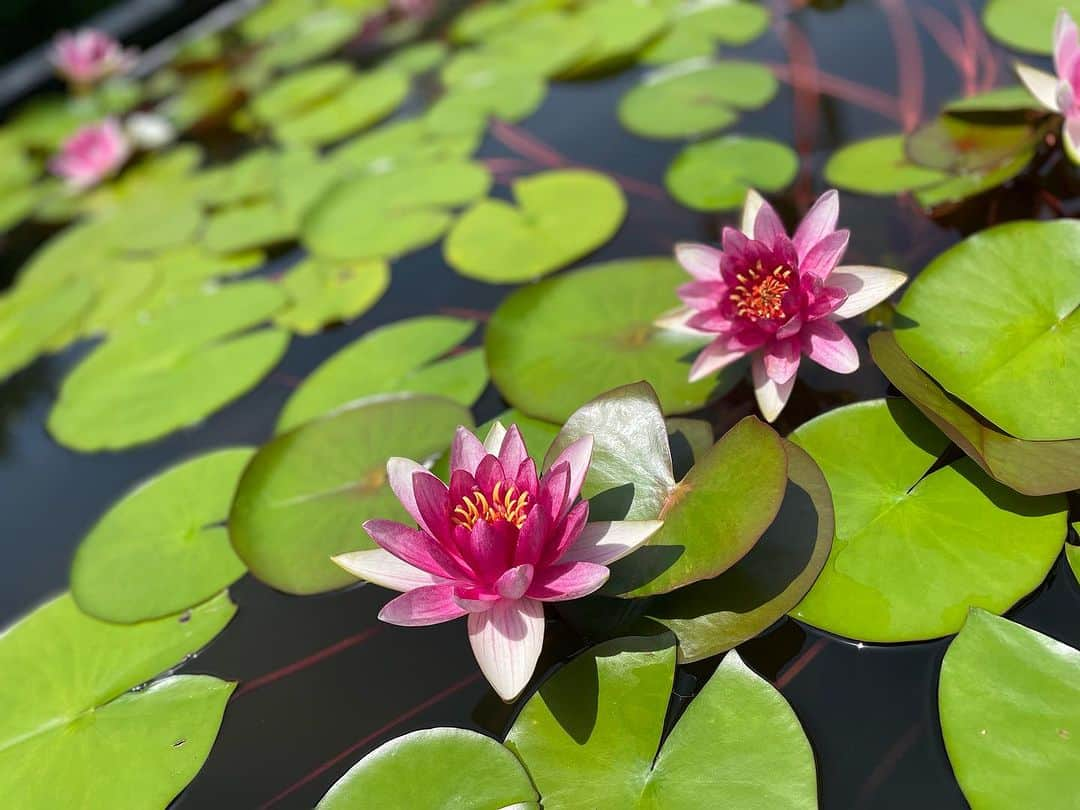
<point>619,30</point>
<point>1026,25</point>
<point>162,548</point>
<point>554,345</point>
<point>33,315</point>
<point>589,737</point>
<point>698,27</point>
<point>879,166</point>
<point>307,493</point>
<point>1009,699</point>
<point>398,358</point>
<point>545,44</point>
<point>561,216</point>
<point>322,293</point>
<point>715,175</point>
<point>479,86</point>
<point>405,143</point>
<point>917,545</point>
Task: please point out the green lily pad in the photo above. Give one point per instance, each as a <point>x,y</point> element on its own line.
<point>323,292</point>
<point>1010,712</point>
<point>45,121</point>
<point>274,17</point>
<point>398,358</point>
<point>953,144</point>
<point>619,31</point>
<point>170,369</point>
<point>561,216</point>
<point>34,314</point>
<point>718,614</point>
<point>554,345</point>
<point>247,226</point>
<point>699,26</point>
<point>405,143</point>
<point>205,97</point>
<point>307,493</point>
<point>589,737</point>
<point>121,288</point>
<point>715,175</point>
<point>1072,554</point>
<point>965,185</point>
<point>1032,468</point>
<point>300,91</point>
<point>1026,25</point>
<point>366,100</point>
<point>417,59</point>
<point>72,728</point>
<point>435,769</point>
<point>1019,341</point>
<point>693,99</point>
<point>915,548</point>
<point>314,36</point>
<point>387,215</point>
<point>480,86</point>
<point>878,166</point>
<point>162,548</point>
<point>479,22</point>
<point>1001,100</point>
<point>544,44</point>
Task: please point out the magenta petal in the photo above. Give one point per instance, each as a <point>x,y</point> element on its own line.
<point>826,344</point>
<point>561,583</point>
<point>702,295</point>
<point>826,301</point>
<point>433,604</point>
<point>782,360</point>
<point>578,455</point>
<point>526,479</point>
<point>1066,44</point>
<point>533,535</point>
<point>819,222</point>
<point>568,533</point>
<point>715,356</point>
<point>489,472</point>
<point>417,548</point>
<point>467,451</point>
<point>514,582</point>
<point>488,548</point>
<point>433,503</point>
<point>506,641</point>
<point>473,599</point>
<point>513,451</point>
<point>552,494</point>
<point>789,329</point>
<point>768,229</point>
<point>733,241</point>
<point>399,474</point>
<point>823,257</point>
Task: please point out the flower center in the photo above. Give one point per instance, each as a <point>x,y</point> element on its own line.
<point>505,504</point>
<point>760,292</point>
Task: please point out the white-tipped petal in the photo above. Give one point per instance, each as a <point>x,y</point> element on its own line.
<point>771,397</point>
<point>383,568</point>
<point>604,542</point>
<point>753,204</point>
<point>494,440</point>
<point>866,287</point>
<point>506,641</point>
<point>675,320</point>
<point>1043,86</point>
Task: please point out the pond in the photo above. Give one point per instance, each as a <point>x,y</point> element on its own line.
<point>321,682</point>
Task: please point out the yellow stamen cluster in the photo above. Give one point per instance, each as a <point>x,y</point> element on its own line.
<point>508,505</point>
<point>760,293</point>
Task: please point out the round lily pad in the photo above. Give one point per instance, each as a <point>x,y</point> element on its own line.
<point>694,99</point>
<point>480,86</point>
<point>33,314</point>
<point>322,293</point>
<point>554,345</point>
<point>697,28</point>
<point>300,91</point>
<point>1026,25</point>
<point>435,769</point>
<point>162,548</point>
<point>398,358</point>
<point>879,166</point>
<point>619,31</point>
<point>1010,713</point>
<point>561,216</point>
<point>307,493</point>
<point>715,175</point>
<point>1019,340</point>
<point>916,546</point>
<point>417,59</point>
<point>364,101</point>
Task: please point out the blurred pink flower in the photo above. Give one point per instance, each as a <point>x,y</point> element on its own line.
<point>495,545</point>
<point>419,9</point>
<point>87,56</point>
<point>776,297</point>
<point>93,153</point>
<point>1060,93</point>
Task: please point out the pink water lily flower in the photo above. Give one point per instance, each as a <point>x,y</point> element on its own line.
<point>776,297</point>
<point>93,153</point>
<point>494,546</point>
<point>88,56</point>
<point>1060,93</point>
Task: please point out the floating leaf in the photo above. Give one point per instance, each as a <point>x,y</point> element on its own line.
<point>247,226</point>
<point>366,100</point>
<point>417,59</point>
<point>698,26</point>
<point>589,737</point>
<point>619,31</point>
<point>405,143</point>
<point>953,144</point>
<point>544,44</point>
<point>561,216</point>
<point>32,315</point>
<point>435,768</point>
<point>313,36</point>
<point>307,493</point>
<point>878,166</point>
<point>162,548</point>
<point>479,87</point>
<point>323,292</point>
<point>693,99</point>
<point>1013,99</point>
<point>553,345</point>
<point>1010,712</point>
<point>917,545</point>
<point>966,185</point>
<point>1072,554</point>
<point>715,175</point>
<point>398,358</point>
<point>1026,25</point>
<point>479,22</point>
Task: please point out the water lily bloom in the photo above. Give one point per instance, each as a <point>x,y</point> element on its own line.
<point>88,56</point>
<point>93,153</point>
<point>1060,93</point>
<point>776,297</point>
<point>494,546</point>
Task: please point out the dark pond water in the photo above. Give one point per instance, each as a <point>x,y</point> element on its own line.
<point>322,682</point>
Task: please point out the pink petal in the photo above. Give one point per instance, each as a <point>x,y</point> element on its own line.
<point>578,455</point>
<point>1070,139</point>
<point>399,474</point>
<point>489,472</point>
<point>1066,44</point>
<point>750,210</point>
<point>826,300</point>
<point>715,356</point>
<point>782,360</point>
<point>533,535</point>
<point>382,568</point>
<point>514,582</point>
<point>551,496</point>
<point>789,329</point>
<point>826,344</point>
<point>561,583</point>
<point>767,226</point>
<point>487,547</point>
<point>700,261</point>
<point>567,533</point>
<point>711,322</point>
<point>513,450</point>
<point>702,295</point>
<point>822,258</point>
<point>423,606</point>
<point>735,242</point>
<point>819,222</point>
<point>474,600</point>
<point>416,548</point>
<point>605,542</point>
<point>1043,86</point>
<point>526,479</point>
<point>466,452</point>
<point>506,641</point>
<point>771,396</point>
<point>433,503</point>
<point>495,438</point>
<point>865,286</point>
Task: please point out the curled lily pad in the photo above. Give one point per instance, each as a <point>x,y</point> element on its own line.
<point>693,99</point>
<point>590,736</point>
<point>1010,711</point>
<point>554,345</point>
<point>33,315</point>
<point>917,545</point>
<point>1026,25</point>
<point>323,292</point>
<point>716,175</point>
<point>561,216</point>
<point>307,493</point>
<point>432,769</point>
<point>879,166</point>
<point>1001,100</point>
<point>954,144</point>
<point>162,548</point>
<point>398,358</point>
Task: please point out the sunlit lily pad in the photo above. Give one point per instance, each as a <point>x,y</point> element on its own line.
<point>544,44</point>
<point>915,548</point>
<point>619,31</point>
<point>162,548</point>
<point>398,358</point>
<point>307,493</point>
<point>560,216</point>
<point>1009,699</point>
<point>435,769</point>
<point>121,288</point>
<point>699,26</point>
<point>1072,554</point>
<point>694,98</point>
<point>555,345</point>
<point>1019,340</point>
<point>479,87</point>
<point>879,166</point>
<point>248,225</point>
<point>315,35</point>
<point>322,293</point>
<point>418,58</point>
<point>32,315</point>
<point>715,175</point>
<point>71,727</point>
<point>1012,99</point>
<point>1026,25</point>
<point>366,100</point>
<point>589,737</point>
<point>405,143</point>
<point>481,21</point>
